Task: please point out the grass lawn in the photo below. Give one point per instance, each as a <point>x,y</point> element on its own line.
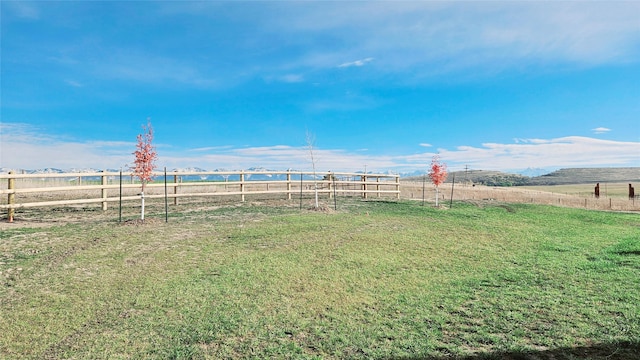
<point>379,280</point>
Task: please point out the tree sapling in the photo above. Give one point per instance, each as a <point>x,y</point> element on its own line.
<point>145,157</point>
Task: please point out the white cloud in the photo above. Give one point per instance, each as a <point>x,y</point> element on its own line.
<point>441,37</point>
<point>425,145</point>
<point>23,9</point>
<point>600,130</point>
<point>210,148</point>
<point>74,83</point>
<point>288,78</point>
<point>422,37</point>
<point>292,78</point>
<point>355,63</point>
<point>24,147</point>
<point>570,151</point>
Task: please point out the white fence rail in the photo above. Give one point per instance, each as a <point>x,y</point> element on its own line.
<point>60,189</point>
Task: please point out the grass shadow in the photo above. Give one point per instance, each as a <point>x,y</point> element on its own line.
<point>608,351</point>
<point>628,252</point>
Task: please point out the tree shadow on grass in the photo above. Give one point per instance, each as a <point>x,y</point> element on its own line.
<point>607,351</point>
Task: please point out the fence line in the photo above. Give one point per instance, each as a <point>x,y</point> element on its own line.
<point>413,190</point>
<point>288,183</point>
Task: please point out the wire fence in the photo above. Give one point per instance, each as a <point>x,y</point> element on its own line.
<point>579,197</point>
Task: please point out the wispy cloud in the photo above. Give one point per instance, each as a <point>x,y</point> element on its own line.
<point>292,78</point>
<point>22,9</point>
<point>356,63</point>
<point>74,83</point>
<point>424,38</point>
<point>209,148</point>
<point>24,147</point>
<point>349,101</point>
<point>441,37</point>
<point>600,130</point>
<point>287,78</point>
<point>570,151</point>
<point>133,65</point>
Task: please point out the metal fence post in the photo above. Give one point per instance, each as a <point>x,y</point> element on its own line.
<point>175,189</point>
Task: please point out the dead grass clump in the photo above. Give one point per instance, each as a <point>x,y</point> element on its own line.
<point>323,208</point>
<point>140,222</point>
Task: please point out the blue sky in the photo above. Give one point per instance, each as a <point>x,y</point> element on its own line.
<point>233,85</point>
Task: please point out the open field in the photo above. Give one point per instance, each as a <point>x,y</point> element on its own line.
<point>613,196</point>
<point>375,279</point>
<point>559,177</point>
<point>613,190</point>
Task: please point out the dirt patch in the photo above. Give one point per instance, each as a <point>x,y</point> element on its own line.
<point>22,223</point>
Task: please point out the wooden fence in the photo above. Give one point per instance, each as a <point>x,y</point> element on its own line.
<point>64,189</point>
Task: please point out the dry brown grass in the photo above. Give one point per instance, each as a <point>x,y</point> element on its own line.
<point>578,195</point>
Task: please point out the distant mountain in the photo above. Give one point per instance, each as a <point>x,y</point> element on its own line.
<point>482,177</point>
<point>558,177</point>
<point>588,175</point>
<point>188,170</point>
<point>488,178</point>
<point>533,172</point>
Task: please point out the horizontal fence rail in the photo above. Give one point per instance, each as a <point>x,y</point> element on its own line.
<point>59,189</point>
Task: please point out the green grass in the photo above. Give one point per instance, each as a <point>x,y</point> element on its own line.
<point>375,280</point>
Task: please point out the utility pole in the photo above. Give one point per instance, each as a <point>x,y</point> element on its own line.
<point>466,172</point>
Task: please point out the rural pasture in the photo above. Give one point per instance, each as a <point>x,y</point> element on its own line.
<point>375,279</point>
<point>613,195</point>
<point>60,191</point>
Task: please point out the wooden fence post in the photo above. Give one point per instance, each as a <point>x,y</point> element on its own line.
<point>288,184</point>
<point>12,197</point>
<point>104,192</point>
<point>175,189</point>
<point>398,187</point>
<point>364,186</point>
<point>242,185</point>
<point>378,186</point>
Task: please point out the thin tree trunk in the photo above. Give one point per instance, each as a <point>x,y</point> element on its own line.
<point>313,164</point>
<point>142,207</point>
<point>316,186</point>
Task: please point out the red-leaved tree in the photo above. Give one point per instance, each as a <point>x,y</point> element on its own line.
<point>145,157</point>
<point>437,173</point>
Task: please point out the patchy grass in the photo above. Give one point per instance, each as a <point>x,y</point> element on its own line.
<point>371,280</point>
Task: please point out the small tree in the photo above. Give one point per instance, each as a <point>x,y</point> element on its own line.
<point>310,145</point>
<point>145,157</point>
<point>437,174</point>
